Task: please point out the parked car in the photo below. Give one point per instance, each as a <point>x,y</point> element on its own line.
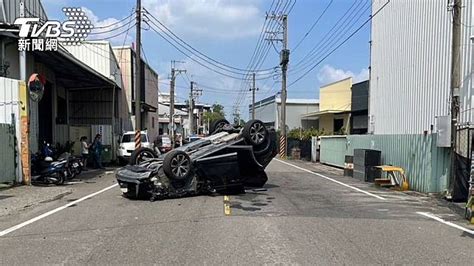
<point>127,145</point>
<point>229,160</point>
<point>163,144</point>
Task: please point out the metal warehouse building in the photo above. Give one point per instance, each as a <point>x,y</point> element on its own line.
<point>409,92</point>
<point>411,63</point>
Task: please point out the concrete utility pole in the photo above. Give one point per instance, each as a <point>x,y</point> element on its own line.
<point>174,73</point>
<point>253,89</point>
<point>138,78</point>
<point>284,59</point>
<point>455,81</point>
<point>190,109</point>
<point>194,93</point>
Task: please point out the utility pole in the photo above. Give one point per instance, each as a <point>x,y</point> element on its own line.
<point>190,110</point>
<point>253,89</point>
<point>138,78</point>
<point>284,59</point>
<point>194,93</point>
<point>174,73</point>
<point>455,81</point>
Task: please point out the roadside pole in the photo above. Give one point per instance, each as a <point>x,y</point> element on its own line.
<point>284,59</point>
<point>138,60</point>
<point>174,72</point>
<point>190,110</point>
<point>253,89</point>
<point>455,82</point>
<point>24,153</point>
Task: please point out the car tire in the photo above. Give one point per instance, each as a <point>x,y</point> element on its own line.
<point>141,155</point>
<point>217,126</point>
<point>255,133</point>
<point>177,165</point>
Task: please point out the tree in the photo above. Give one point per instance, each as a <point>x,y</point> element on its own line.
<point>216,113</point>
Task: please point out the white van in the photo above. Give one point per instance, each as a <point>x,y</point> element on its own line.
<point>127,145</point>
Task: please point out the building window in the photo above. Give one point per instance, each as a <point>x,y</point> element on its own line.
<point>338,124</point>
<point>152,122</point>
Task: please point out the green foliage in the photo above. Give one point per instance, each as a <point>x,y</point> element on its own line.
<point>304,134</point>
<point>216,113</point>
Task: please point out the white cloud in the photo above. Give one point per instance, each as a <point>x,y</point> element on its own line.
<point>328,74</point>
<point>224,19</point>
<point>99,33</point>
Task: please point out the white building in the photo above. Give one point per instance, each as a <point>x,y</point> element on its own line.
<point>268,110</point>
<point>411,64</point>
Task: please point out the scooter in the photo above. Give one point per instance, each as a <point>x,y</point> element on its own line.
<point>47,171</point>
<point>74,165</point>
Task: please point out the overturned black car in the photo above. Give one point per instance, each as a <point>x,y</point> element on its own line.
<point>227,161</point>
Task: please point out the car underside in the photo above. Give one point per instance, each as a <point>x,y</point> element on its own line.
<point>227,161</point>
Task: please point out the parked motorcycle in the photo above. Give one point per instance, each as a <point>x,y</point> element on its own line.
<point>74,165</point>
<point>47,171</point>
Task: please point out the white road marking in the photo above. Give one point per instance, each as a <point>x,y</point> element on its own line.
<point>431,216</point>
<point>332,180</point>
<point>44,215</point>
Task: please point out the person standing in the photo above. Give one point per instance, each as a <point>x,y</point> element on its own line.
<point>97,148</point>
<point>84,151</point>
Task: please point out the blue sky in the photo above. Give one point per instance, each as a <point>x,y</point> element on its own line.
<point>227,30</point>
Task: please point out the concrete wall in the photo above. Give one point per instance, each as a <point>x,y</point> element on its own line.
<point>336,96</point>
<point>326,122</point>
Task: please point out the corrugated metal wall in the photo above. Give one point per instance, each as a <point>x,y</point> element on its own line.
<point>9,104</point>
<point>97,55</point>
<point>7,154</point>
<point>426,165</point>
<point>33,8</point>
<point>89,107</point>
<point>410,65</point>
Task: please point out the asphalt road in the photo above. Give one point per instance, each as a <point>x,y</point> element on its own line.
<point>300,218</point>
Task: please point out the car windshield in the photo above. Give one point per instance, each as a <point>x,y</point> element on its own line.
<point>130,138</point>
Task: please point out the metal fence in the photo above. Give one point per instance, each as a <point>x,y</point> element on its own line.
<point>7,153</point>
<point>426,165</point>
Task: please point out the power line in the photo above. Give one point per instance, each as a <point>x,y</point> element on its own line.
<point>327,44</point>
<point>342,43</point>
<point>197,51</point>
<point>113,36</point>
<point>193,59</point>
<point>312,26</point>
<point>258,56</point>
<point>329,34</point>
<point>117,22</point>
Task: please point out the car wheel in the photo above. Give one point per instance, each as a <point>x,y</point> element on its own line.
<point>141,155</point>
<point>177,165</point>
<point>217,126</point>
<point>255,132</point>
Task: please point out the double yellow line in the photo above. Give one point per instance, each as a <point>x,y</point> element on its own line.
<point>227,209</point>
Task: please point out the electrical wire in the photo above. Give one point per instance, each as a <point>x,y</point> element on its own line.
<point>117,22</point>
<point>327,44</point>
<point>329,34</point>
<point>180,40</point>
<point>340,44</point>
<point>115,35</point>
<point>312,26</point>
<point>192,58</point>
